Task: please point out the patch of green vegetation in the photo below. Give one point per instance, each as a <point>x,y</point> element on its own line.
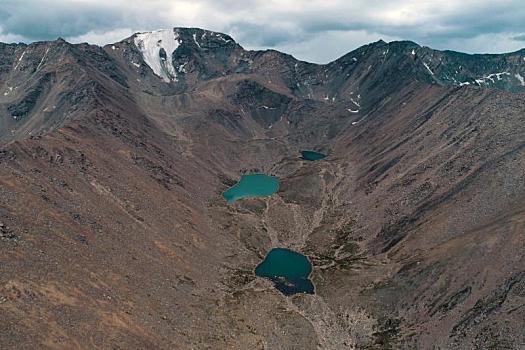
<point>227,181</point>
<point>387,333</point>
<point>238,278</point>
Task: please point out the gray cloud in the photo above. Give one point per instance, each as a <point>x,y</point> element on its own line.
<point>317,30</point>
<point>259,34</point>
<point>519,37</point>
<point>48,20</point>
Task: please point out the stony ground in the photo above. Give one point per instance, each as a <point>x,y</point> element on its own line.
<point>114,233</point>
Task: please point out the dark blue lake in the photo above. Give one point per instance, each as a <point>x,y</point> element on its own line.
<point>311,155</point>
<point>288,270</point>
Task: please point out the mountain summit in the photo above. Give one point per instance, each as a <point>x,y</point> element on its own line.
<point>115,233</point>
<point>160,52</point>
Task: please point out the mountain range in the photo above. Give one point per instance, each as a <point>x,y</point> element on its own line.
<point>114,233</point>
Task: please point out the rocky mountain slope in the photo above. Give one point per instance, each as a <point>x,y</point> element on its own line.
<point>114,233</point>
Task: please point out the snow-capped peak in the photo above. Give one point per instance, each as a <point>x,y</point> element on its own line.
<point>150,45</point>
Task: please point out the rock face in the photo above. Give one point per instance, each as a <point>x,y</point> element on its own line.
<point>114,233</point>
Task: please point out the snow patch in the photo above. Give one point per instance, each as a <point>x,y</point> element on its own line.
<point>42,60</point>
<point>353,111</point>
<point>182,68</point>
<point>150,45</point>
<point>483,80</point>
<point>20,59</point>
<point>413,52</point>
<point>428,68</point>
<point>520,78</point>
<point>219,35</point>
<point>464,83</point>
<point>355,102</point>
<point>195,40</point>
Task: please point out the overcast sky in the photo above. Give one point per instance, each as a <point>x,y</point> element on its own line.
<point>312,30</point>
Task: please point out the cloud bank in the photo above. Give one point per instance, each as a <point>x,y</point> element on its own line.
<point>313,30</point>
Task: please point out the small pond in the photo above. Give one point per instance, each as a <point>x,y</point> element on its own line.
<point>311,155</point>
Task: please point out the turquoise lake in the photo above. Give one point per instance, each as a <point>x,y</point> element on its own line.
<point>252,186</point>
<point>288,270</point>
<point>311,155</point>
